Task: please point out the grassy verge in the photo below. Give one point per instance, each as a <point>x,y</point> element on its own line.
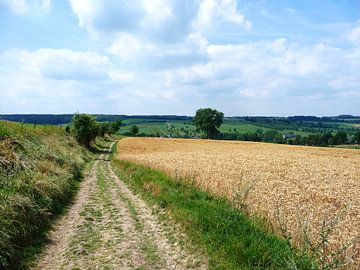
<point>40,170</point>
<point>231,240</point>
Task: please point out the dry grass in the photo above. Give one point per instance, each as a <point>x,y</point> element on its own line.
<point>356,125</point>
<point>39,172</point>
<point>303,183</point>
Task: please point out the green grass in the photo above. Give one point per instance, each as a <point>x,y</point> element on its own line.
<point>230,239</point>
<point>150,251</point>
<point>154,128</point>
<point>40,171</point>
<point>349,146</point>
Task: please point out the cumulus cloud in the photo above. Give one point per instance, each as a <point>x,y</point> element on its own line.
<point>108,15</point>
<point>153,18</point>
<point>157,20</point>
<point>128,47</point>
<point>211,11</point>
<point>156,34</point>
<point>58,80</point>
<point>355,35</point>
<point>61,64</point>
<point>274,69</point>
<point>256,75</point>
<point>145,54</point>
<point>173,56</point>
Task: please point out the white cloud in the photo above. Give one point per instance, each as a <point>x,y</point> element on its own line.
<point>61,64</point>
<point>172,56</point>
<point>108,16</point>
<point>158,20</point>
<point>157,12</point>
<point>45,5</point>
<point>150,18</point>
<point>211,11</point>
<point>273,69</point>
<point>128,47</point>
<point>147,55</point>
<point>355,35</point>
<point>257,75</point>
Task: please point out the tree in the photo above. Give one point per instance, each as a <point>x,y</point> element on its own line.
<point>326,139</point>
<point>109,127</point>
<point>339,138</point>
<point>104,128</point>
<point>134,130</point>
<point>357,137</point>
<point>208,121</point>
<point>116,125</point>
<point>85,128</point>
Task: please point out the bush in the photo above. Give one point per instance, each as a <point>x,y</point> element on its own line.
<point>134,130</point>
<point>85,128</point>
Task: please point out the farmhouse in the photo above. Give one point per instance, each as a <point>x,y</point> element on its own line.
<point>289,136</point>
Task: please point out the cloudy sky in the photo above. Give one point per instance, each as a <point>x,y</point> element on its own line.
<point>255,57</point>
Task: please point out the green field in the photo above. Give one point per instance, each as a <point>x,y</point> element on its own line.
<point>149,127</point>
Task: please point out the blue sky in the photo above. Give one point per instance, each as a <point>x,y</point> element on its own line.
<point>253,57</point>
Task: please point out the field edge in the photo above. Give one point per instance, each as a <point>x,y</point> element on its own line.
<point>230,239</point>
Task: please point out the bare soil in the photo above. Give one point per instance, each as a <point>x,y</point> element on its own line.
<point>109,227</point>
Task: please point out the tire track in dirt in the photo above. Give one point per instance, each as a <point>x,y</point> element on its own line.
<point>109,227</point>
<point>64,228</point>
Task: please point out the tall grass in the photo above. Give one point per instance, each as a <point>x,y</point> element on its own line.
<point>39,170</point>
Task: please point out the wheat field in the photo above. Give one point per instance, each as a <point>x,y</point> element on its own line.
<point>294,184</point>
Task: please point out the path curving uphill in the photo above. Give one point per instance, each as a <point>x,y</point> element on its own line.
<point>109,227</point>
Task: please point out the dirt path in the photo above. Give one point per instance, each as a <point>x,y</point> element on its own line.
<point>109,227</point>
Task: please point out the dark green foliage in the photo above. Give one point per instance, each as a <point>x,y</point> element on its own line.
<point>208,121</point>
<point>340,138</point>
<point>109,127</point>
<point>134,130</point>
<point>231,240</point>
<point>85,128</point>
<point>357,137</point>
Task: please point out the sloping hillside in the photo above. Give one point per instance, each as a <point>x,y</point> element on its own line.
<point>39,170</point>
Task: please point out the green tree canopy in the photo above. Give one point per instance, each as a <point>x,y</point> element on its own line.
<point>85,128</point>
<point>109,127</point>
<point>357,137</point>
<point>134,130</point>
<point>208,121</point>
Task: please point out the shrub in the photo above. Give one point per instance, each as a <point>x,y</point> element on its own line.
<point>85,128</point>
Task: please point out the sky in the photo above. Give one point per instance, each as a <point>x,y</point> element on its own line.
<point>255,57</point>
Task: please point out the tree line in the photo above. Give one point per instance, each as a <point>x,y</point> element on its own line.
<point>85,128</point>
<point>273,136</point>
<point>209,121</point>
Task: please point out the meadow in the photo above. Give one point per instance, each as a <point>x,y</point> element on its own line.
<point>287,130</point>
<point>293,187</point>
<point>179,128</point>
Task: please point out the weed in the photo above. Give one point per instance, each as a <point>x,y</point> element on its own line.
<point>318,247</point>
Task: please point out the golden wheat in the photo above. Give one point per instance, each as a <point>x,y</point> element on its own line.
<point>303,183</point>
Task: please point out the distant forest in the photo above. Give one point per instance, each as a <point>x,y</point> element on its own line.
<point>60,119</point>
